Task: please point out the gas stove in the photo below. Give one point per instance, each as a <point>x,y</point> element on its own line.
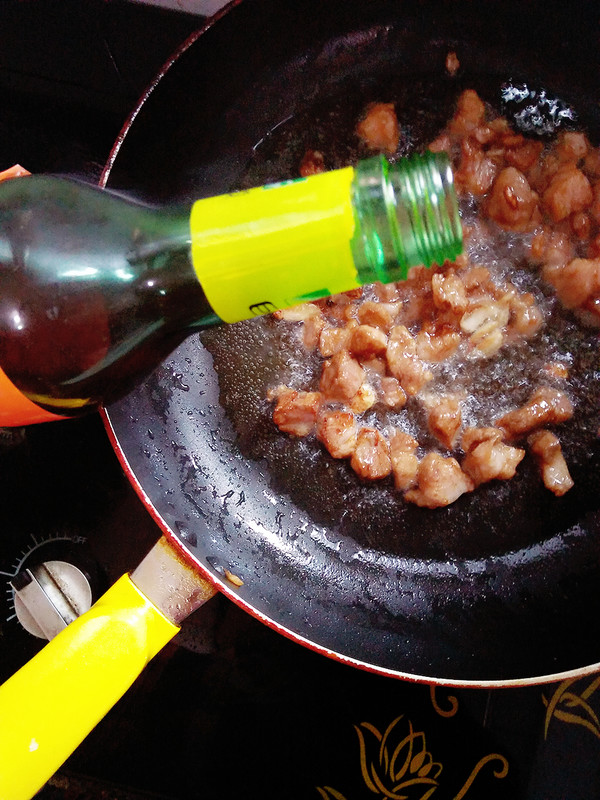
<point>230,708</point>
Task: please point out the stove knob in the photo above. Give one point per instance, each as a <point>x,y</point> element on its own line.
<point>49,596</point>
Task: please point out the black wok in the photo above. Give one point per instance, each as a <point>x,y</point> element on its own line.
<point>501,587</point>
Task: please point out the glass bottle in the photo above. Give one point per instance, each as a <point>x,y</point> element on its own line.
<point>96,289</point>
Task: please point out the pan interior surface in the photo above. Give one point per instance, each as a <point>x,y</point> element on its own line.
<point>496,587</point>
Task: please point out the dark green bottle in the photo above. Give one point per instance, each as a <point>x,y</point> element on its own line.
<point>96,289</point>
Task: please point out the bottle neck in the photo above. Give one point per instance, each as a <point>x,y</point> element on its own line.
<point>406,214</point>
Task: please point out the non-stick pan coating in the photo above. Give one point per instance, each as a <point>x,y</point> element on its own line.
<point>501,586</point>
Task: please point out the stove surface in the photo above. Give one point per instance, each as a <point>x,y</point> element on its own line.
<point>230,708</point>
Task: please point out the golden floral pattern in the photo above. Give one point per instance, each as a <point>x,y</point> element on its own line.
<point>443,712</point>
<point>569,706</point>
<point>396,764</point>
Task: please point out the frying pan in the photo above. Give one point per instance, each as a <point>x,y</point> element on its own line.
<point>502,587</point>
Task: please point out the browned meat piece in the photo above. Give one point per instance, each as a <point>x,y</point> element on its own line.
<point>488,458</point>
<point>470,114</point>
<point>473,436</point>
<point>312,163</point>
<point>442,144</point>
<point>338,431</point>
<point>342,377</point>
<point>311,333</point>
<point>296,412</point>
<point>298,313</point>
<point>375,365</point>
<point>476,280</point>
<point>476,171</point>
<point>444,416</point>
<point>523,154</point>
<point>486,323</point>
<point>525,316</point>
<point>332,340</point>
<point>367,340</point>
<point>512,202</point>
<point>452,63</point>
<point>404,461</point>
<point>436,347</point>
<point>365,398</point>
<point>392,394</point>
<point>371,457</point>
<point>547,450</point>
<point>440,481</point>
<point>576,282</point>
<point>308,313</point>
<point>379,315</point>
<point>552,249</point>
<point>557,370</point>
<point>379,128</point>
<point>568,191</point>
<point>387,292</point>
<point>545,406</point>
<point>581,225</point>
<point>403,362</point>
<point>401,336</point>
<point>572,146</point>
<point>449,293</point>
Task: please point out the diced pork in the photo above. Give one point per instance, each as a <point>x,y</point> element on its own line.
<point>449,292</point>
<point>568,191</point>
<point>547,450</point>
<point>444,416</point>
<point>392,394</point>
<point>405,463</point>
<point>577,282</point>
<point>487,457</point>
<point>342,377</point>
<point>512,202</point>
<point>365,398</point>
<point>545,406</point>
<point>379,128</point>
<point>523,154</point>
<point>296,412</point>
<point>470,114</point>
<point>312,163</point>
<point>572,146</point>
<point>367,340</point>
<point>440,481</point>
<point>371,456</point>
<point>338,431</point>
<point>332,340</point>
<point>436,347</point>
<point>379,315</point>
<point>452,63</point>
<point>404,364</point>
<point>476,172</point>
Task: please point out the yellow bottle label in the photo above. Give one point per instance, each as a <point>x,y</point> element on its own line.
<point>275,246</point>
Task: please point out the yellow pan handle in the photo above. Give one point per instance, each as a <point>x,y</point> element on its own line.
<point>50,705</point>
